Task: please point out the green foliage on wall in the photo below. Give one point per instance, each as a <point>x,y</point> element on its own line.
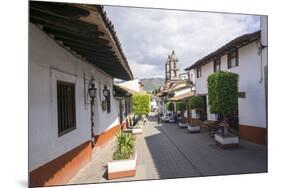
<point>170,106</point>
<point>181,106</point>
<point>141,104</point>
<point>196,102</point>
<point>223,93</point>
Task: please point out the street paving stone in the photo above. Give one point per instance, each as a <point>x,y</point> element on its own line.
<point>167,151</point>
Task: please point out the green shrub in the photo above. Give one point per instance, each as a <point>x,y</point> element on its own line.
<point>181,106</point>
<point>223,93</point>
<point>125,146</point>
<point>196,102</point>
<point>141,104</point>
<point>170,106</point>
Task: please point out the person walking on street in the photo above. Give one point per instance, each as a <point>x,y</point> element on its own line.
<point>158,118</point>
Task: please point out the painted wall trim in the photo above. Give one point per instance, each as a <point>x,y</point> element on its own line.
<point>106,136</point>
<point>60,170</point>
<point>253,134</point>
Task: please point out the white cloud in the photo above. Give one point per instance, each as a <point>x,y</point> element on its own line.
<point>141,70</point>
<point>149,35</point>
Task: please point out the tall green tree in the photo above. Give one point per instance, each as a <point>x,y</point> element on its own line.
<point>180,106</point>
<point>141,104</point>
<point>196,102</point>
<point>223,95</point>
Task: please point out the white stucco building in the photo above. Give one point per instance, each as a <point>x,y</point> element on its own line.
<point>154,103</point>
<point>134,85</point>
<point>247,56</point>
<point>61,135</point>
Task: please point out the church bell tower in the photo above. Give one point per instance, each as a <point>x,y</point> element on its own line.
<point>171,70</point>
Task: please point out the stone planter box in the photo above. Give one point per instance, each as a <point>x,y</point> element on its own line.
<point>182,125</point>
<point>195,121</point>
<point>137,130</point>
<point>127,130</point>
<point>122,168</point>
<point>224,142</point>
<point>193,128</point>
<point>133,130</point>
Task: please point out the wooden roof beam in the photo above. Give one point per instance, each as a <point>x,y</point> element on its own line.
<point>57,22</point>
<point>59,9</point>
<point>87,40</point>
<point>90,48</point>
<point>94,54</point>
<point>91,34</point>
<point>94,45</point>
<point>105,67</point>
<point>108,62</point>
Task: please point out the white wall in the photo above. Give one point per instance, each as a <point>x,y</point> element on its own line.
<point>49,62</point>
<point>251,108</point>
<point>104,121</point>
<point>264,54</point>
<point>210,116</point>
<point>192,75</point>
<point>153,103</point>
<point>193,113</point>
<point>201,83</point>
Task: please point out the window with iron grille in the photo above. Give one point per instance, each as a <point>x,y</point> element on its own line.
<point>242,94</point>
<point>232,59</point>
<point>108,102</point>
<point>66,107</point>
<point>217,65</point>
<point>198,72</point>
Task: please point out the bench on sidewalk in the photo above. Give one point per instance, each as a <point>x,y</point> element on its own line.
<point>130,128</point>
<point>213,127</point>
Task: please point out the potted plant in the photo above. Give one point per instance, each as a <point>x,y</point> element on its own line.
<point>137,129</point>
<point>223,99</point>
<point>181,107</point>
<point>195,103</point>
<point>124,157</point>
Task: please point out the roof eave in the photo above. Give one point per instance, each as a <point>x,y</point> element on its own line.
<point>230,45</point>
<point>85,31</point>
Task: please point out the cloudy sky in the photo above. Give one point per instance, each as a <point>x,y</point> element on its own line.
<point>148,36</point>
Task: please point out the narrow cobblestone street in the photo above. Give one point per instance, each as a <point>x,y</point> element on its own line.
<point>167,151</point>
<point>133,93</point>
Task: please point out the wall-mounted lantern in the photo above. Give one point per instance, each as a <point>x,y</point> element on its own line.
<point>106,102</point>
<point>92,91</point>
<point>105,92</point>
